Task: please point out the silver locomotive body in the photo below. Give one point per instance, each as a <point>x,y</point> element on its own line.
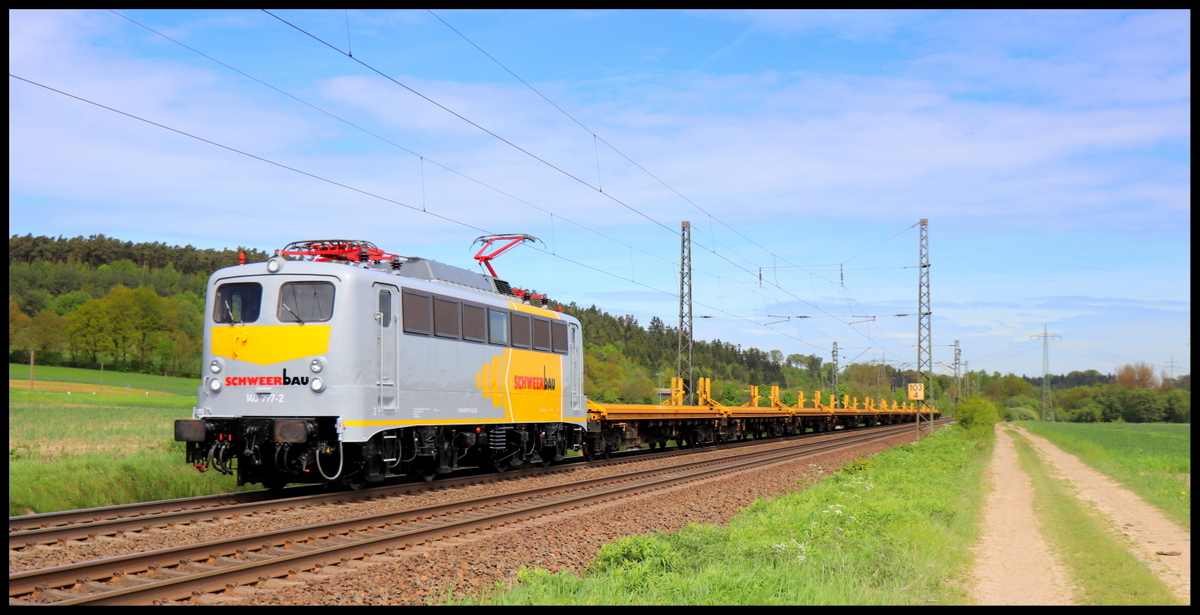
<point>348,372</point>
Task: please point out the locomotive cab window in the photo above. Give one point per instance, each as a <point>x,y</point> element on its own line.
<point>385,308</point>
<point>237,302</point>
<point>498,327</point>
<point>558,332</point>
<point>305,302</point>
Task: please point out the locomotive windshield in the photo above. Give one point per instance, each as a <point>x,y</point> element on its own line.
<point>305,302</point>
<point>238,302</point>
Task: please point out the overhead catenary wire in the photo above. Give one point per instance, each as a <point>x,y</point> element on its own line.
<point>376,196</point>
<point>421,157</point>
<point>589,131</point>
<point>551,214</point>
<point>471,122</point>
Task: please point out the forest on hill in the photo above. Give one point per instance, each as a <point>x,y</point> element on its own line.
<point>138,307</point>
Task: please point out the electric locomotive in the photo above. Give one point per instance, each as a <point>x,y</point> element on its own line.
<point>357,364</point>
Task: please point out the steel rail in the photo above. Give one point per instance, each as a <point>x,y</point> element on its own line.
<point>91,523</point>
<point>208,579</point>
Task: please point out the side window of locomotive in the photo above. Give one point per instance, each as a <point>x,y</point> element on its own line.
<point>237,302</point>
<point>558,333</point>
<point>306,302</point>
<point>418,313</point>
<point>498,327</point>
<point>445,317</point>
<point>385,307</point>
<point>520,331</point>
<point>474,323</point>
<point>541,334</point>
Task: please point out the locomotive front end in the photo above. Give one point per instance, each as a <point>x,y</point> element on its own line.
<point>265,398</point>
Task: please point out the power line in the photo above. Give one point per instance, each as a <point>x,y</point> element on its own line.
<point>447,109</point>
<point>382,198</point>
<point>388,141</point>
<point>415,154</point>
<point>471,122</point>
<point>549,213</point>
<point>643,169</point>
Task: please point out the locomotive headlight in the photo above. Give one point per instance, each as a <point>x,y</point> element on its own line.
<point>214,385</point>
<point>216,366</point>
<point>317,385</point>
<point>316,366</point>
<point>274,265</point>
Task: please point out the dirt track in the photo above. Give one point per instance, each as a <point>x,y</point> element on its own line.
<point>1015,565</point>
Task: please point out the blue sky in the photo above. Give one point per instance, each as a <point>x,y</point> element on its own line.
<point>1050,152</point>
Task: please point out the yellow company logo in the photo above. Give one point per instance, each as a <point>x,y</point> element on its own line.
<point>268,345</point>
<point>524,383</point>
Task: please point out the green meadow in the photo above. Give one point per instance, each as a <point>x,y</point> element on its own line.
<point>892,529</point>
<point>1154,460</point>
<point>82,450</point>
<point>89,380</point>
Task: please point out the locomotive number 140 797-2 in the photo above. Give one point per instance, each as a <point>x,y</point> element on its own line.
<point>264,397</point>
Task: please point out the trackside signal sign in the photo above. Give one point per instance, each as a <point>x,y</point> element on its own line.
<point>916,391</point>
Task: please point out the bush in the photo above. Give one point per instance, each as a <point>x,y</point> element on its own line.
<point>1020,413</point>
<point>977,415</point>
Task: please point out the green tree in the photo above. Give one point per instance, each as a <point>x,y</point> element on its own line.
<point>146,321</point>
<point>69,302</point>
<point>1143,406</point>
<point>88,333</point>
<point>47,332</point>
<point>1002,389</point>
<point>1111,401</point>
<point>121,312</point>
<point>1177,405</point>
<point>18,327</point>
<point>1086,411</point>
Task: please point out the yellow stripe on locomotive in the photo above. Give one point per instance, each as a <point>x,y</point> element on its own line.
<point>267,345</point>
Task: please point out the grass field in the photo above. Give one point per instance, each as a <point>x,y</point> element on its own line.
<point>88,381</point>
<point>84,449</point>
<point>888,530</point>
<point>1154,460</point>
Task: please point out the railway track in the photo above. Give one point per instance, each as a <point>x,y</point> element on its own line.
<point>59,528</point>
<point>180,572</point>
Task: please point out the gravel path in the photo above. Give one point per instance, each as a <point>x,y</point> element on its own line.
<point>1014,564</point>
<point>1131,518</point>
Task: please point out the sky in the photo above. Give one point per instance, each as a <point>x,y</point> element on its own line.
<point>1049,152</point>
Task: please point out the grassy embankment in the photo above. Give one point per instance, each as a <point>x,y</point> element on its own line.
<point>887,530</point>
<point>1102,570</point>
<point>86,448</point>
<point>1154,460</point>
